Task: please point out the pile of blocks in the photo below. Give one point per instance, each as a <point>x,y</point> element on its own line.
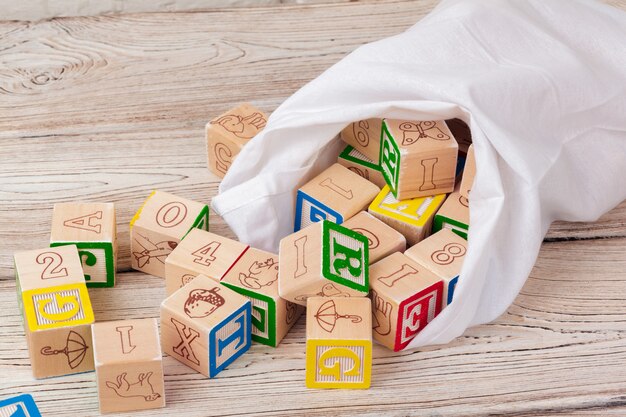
<point>378,244</point>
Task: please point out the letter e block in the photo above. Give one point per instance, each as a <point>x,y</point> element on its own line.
<point>364,136</point>
<point>382,239</point>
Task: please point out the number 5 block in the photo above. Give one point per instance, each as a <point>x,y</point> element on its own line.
<point>56,311</point>
<point>91,227</point>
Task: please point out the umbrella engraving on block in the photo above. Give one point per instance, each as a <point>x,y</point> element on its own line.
<point>328,290</point>
<point>75,350</point>
<point>88,222</point>
<point>448,254</point>
<point>327,316</point>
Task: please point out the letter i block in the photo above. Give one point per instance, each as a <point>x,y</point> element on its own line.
<point>206,326</point>
<point>418,159</point>
<point>324,259</point>
<point>364,136</point>
<point>406,296</point>
<point>382,239</point>
<point>201,253</point>
<point>255,275</point>
<point>335,195</point>
<point>129,365</point>
<point>228,133</point>
<point>56,311</point>
<point>338,342</point>
<point>454,214</point>
<point>360,164</point>
<point>159,225</point>
<point>91,227</point>
<point>413,218</point>
<point>19,406</point>
<point>443,254</point>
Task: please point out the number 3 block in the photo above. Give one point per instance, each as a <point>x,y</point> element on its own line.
<point>159,225</point>
<point>91,227</point>
<point>56,310</point>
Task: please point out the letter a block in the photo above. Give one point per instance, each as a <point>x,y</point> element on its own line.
<point>19,406</point>
<point>360,164</point>
<point>382,239</point>
<point>255,275</point>
<point>91,227</point>
<point>413,218</point>
<point>324,259</point>
<point>442,253</point>
<point>129,365</point>
<point>335,195</point>
<point>205,325</point>
<point>453,215</point>
<point>364,136</point>
<point>159,225</point>
<point>338,342</point>
<point>418,159</point>
<point>228,133</point>
<point>405,297</point>
<point>56,310</point>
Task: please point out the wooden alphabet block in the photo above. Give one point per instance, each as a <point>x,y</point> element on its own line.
<point>443,254</point>
<point>91,227</point>
<point>324,259</point>
<point>454,214</point>
<point>201,253</point>
<point>360,164</point>
<point>255,276</point>
<point>159,225</point>
<point>382,239</point>
<point>364,136</point>
<point>19,406</point>
<point>338,342</point>
<point>56,310</point>
<point>206,326</point>
<point>228,133</point>
<point>468,173</point>
<point>335,195</point>
<point>406,296</point>
<point>413,218</point>
<point>129,365</point>
<point>418,159</point>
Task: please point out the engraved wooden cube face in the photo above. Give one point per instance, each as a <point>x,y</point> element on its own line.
<point>364,135</point>
<point>360,164</point>
<point>345,257</point>
<point>453,215</point>
<point>382,239</point>
<point>48,267</point>
<point>468,173</point>
<point>20,405</point>
<point>60,306</point>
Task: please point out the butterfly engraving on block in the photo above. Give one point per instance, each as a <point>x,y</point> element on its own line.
<point>414,131</point>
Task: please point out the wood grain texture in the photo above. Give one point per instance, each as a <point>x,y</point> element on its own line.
<point>108,108</point>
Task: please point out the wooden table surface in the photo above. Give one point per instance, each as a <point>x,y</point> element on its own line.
<point>108,108</point>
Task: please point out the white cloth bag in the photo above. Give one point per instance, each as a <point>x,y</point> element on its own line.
<point>542,85</point>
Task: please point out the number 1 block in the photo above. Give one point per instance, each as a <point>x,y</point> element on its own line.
<point>91,227</point>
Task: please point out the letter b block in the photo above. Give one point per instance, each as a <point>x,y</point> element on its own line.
<point>338,343</point>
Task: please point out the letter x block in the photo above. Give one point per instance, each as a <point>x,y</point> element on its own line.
<point>205,325</point>
<point>255,275</point>
<point>364,136</point>
<point>360,164</point>
<point>335,195</point>
<point>418,159</point>
<point>382,239</point>
<point>454,214</point>
<point>228,133</point>
<point>413,218</point>
<point>129,365</point>
<point>91,227</point>
<point>324,259</point>
<point>201,253</point>
<point>406,296</point>
<point>19,406</point>
<point>159,225</point>
<point>338,342</point>
<point>442,253</point>
<point>56,311</point>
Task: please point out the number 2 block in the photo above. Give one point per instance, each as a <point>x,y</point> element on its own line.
<point>91,227</point>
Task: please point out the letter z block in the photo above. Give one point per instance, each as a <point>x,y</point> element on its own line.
<point>338,343</point>
<point>360,164</point>
<point>382,239</point>
<point>159,225</point>
<point>129,365</point>
<point>364,136</point>
<point>19,406</point>
<point>91,227</point>
<point>206,326</point>
<point>324,259</point>
<point>405,297</point>
<point>56,310</point>
<point>454,214</point>
<point>418,159</point>
<point>335,195</point>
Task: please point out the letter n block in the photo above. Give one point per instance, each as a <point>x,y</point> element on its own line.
<point>91,227</point>
<point>360,164</point>
<point>19,406</point>
<point>442,253</point>
<point>324,259</point>
<point>406,296</point>
<point>159,225</point>
<point>56,310</point>
<point>338,342</point>
<point>335,195</point>
<point>255,275</point>
<point>129,365</point>
<point>418,159</point>
<point>205,325</point>
<point>454,214</point>
<point>228,133</point>
<point>364,136</point>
